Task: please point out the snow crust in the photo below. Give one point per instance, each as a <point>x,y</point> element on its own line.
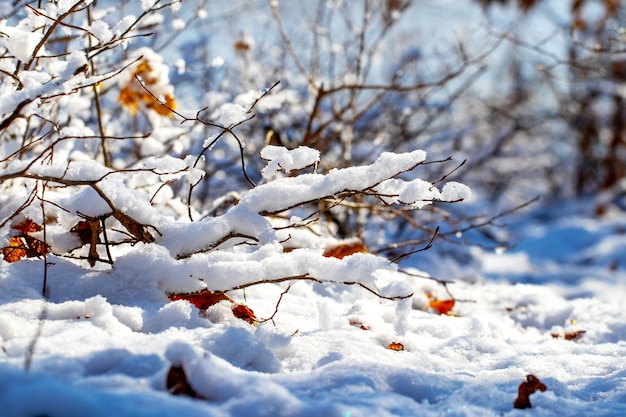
<point>103,339</point>
<point>110,338</point>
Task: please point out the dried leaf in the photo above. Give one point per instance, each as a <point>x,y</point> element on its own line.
<point>88,232</point>
<point>133,227</point>
<point>344,249</point>
<point>577,5</point>
<point>178,384</point>
<point>24,245</point>
<point>27,226</point>
<point>441,306</point>
<point>201,299</point>
<point>133,95</point>
<point>395,346</point>
<point>242,46</point>
<point>357,323</point>
<point>243,312</point>
<point>611,6</point>
<point>527,388</point>
<point>574,335</point>
<point>204,299</point>
<point>15,251</point>
<point>526,5</point>
<point>35,247</point>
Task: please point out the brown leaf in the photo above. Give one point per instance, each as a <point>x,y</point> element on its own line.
<point>242,46</point>
<point>178,384</point>
<point>133,227</point>
<point>577,5</point>
<point>357,323</point>
<point>88,232</point>
<point>526,5</point>
<point>527,388</point>
<point>202,299</point>
<point>35,247</point>
<point>395,346</point>
<point>344,249</point>
<point>574,335</point>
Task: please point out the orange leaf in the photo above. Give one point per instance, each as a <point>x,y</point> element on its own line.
<point>243,312</point>
<point>133,95</point>
<point>27,226</point>
<point>526,388</point>
<point>202,299</point>
<point>395,346</point>
<point>162,109</point>
<point>23,245</point>
<point>344,249</point>
<point>129,99</point>
<point>15,251</point>
<point>441,306</point>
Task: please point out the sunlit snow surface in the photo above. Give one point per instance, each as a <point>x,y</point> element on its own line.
<point>109,338</point>
<point>104,342</point>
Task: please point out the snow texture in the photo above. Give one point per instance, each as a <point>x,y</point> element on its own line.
<point>231,114</point>
<point>110,337</point>
<point>282,159</point>
<point>102,340</point>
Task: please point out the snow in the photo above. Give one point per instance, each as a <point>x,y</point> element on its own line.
<point>282,159</point>
<point>110,337</point>
<point>21,43</point>
<point>231,114</point>
<point>102,340</point>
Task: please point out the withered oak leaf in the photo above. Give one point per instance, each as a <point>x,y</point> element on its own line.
<point>138,230</point>
<point>88,232</point>
<point>527,388</point>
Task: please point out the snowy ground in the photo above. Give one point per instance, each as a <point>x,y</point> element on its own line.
<point>110,339</point>
<point>105,341</point>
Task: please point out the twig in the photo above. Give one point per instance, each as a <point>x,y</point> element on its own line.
<point>271,318</point>
<point>28,360</point>
<point>428,246</point>
<point>307,277</point>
